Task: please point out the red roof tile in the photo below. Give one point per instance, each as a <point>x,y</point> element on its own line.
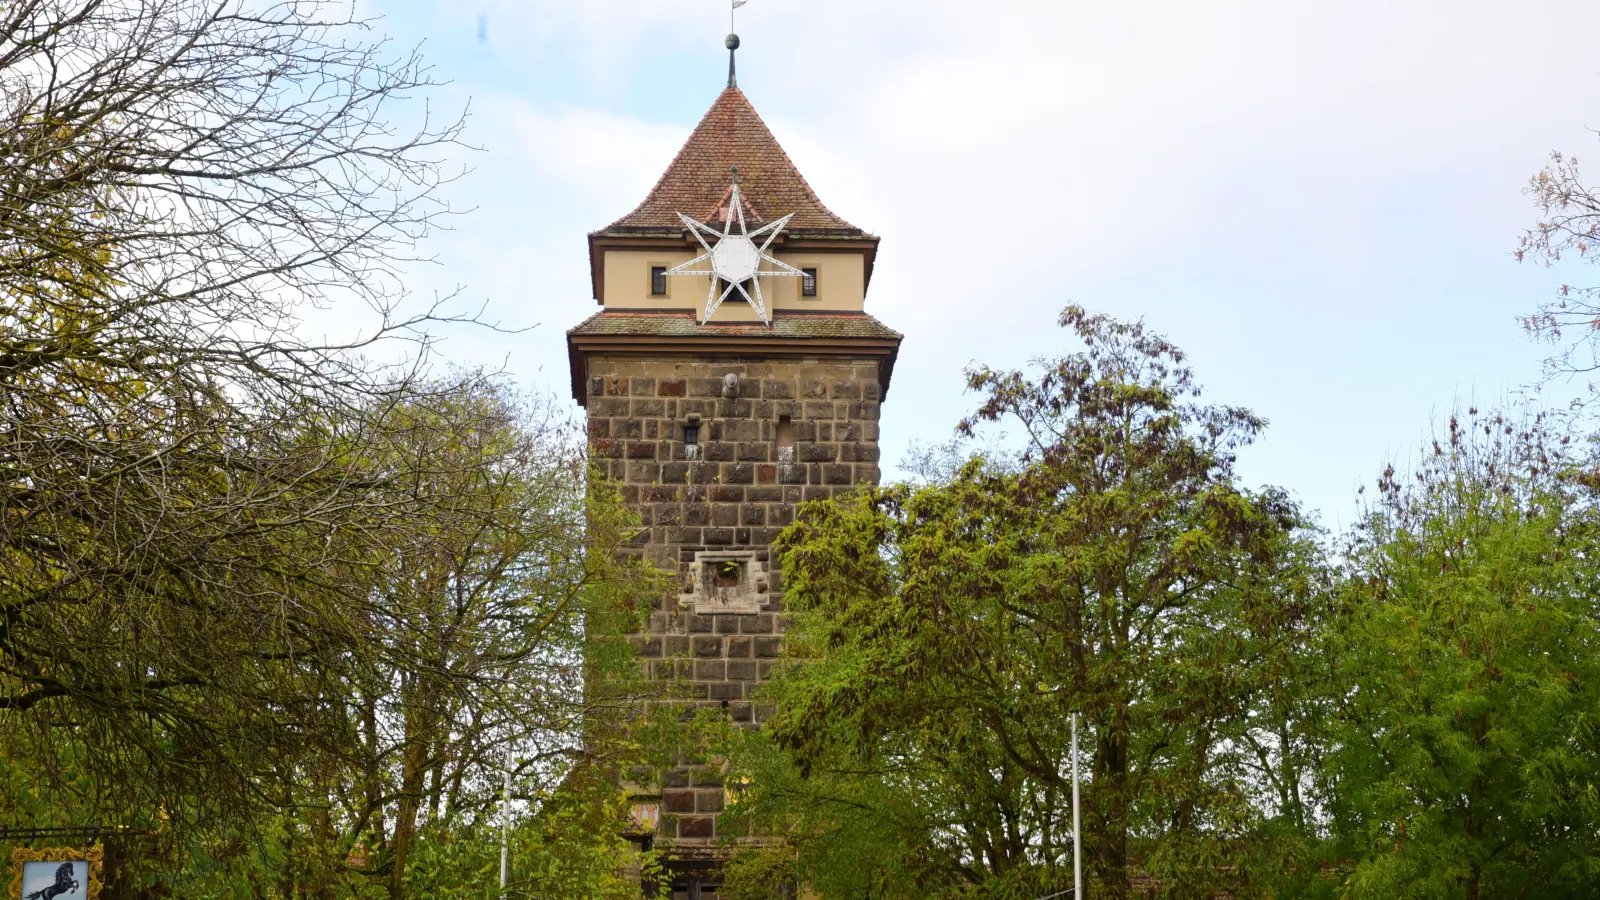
<point>696,184</point>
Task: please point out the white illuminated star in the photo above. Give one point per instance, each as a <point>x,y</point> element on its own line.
<point>736,259</point>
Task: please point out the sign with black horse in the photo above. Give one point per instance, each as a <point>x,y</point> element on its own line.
<point>55,874</point>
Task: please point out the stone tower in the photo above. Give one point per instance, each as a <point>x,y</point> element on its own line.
<point>718,425</point>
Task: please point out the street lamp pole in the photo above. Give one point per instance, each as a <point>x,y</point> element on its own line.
<point>1077,833</point>
<point>505,828</point>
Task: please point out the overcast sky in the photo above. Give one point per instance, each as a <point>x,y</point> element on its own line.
<point>1316,200</point>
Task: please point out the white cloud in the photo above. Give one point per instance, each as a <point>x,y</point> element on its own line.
<point>1315,198</point>
<point>606,161</point>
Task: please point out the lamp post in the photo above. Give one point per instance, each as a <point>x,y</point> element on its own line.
<point>505,828</point>
<point>1077,833</point>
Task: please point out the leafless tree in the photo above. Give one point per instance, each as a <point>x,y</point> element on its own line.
<point>192,172</point>
<point>1568,228</point>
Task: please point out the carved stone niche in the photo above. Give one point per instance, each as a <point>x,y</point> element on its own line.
<point>726,581</point>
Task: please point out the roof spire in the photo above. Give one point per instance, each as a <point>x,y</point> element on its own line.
<point>733,45</point>
<point>697,180</point>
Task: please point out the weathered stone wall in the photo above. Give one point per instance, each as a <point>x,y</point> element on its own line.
<point>713,511</point>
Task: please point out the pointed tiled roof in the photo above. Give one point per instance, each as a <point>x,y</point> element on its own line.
<point>696,184</point>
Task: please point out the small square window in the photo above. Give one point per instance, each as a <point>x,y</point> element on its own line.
<point>727,581</point>
<point>784,435</point>
<point>691,434</point>
<point>658,281</point>
<point>808,282</point>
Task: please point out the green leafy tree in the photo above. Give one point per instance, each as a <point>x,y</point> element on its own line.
<point>485,629</point>
<point>1466,757</point>
<point>1115,570</point>
<point>491,606</point>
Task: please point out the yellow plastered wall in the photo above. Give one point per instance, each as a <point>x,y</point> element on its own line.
<point>841,284</point>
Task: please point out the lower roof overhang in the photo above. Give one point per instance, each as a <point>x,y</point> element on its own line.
<point>750,345</point>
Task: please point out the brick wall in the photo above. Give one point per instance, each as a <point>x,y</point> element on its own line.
<point>713,510</point>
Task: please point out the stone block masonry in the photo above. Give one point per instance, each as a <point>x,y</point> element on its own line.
<point>767,435</point>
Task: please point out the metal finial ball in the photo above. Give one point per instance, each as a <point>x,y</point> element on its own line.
<point>732,42</point>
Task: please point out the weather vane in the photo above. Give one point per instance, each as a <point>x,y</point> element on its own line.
<point>733,43</point>
<point>736,259</point>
